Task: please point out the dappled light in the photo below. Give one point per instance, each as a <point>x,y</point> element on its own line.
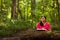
<point>20,18</point>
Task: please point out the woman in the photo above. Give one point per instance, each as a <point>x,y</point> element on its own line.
<point>43,25</point>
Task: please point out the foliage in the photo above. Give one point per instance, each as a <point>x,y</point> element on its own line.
<point>28,14</point>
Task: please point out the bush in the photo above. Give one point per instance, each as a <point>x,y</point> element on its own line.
<point>11,26</point>
<point>57,28</point>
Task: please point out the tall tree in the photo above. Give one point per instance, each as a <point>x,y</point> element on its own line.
<point>1,6</point>
<point>58,8</point>
<point>33,6</point>
<point>13,11</point>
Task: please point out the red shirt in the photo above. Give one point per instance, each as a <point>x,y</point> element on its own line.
<point>46,26</point>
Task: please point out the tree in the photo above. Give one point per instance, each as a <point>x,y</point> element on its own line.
<point>33,6</point>
<point>58,8</point>
<point>13,11</point>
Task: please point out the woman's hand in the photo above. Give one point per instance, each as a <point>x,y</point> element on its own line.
<point>43,29</point>
<point>38,29</point>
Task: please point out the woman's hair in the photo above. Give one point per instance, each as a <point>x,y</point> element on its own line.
<point>41,21</point>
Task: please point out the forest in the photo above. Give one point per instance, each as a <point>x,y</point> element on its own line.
<point>17,15</point>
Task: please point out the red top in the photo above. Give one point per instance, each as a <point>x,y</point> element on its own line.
<point>45,27</point>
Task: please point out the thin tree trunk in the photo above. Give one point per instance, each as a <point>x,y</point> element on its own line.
<point>1,9</point>
<point>58,8</point>
<point>27,8</point>
<point>1,6</point>
<point>33,5</point>
<point>24,11</point>
<point>13,11</point>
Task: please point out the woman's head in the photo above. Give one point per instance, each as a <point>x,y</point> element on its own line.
<point>43,18</point>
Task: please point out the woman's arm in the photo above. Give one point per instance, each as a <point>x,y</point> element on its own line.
<point>48,26</point>
<point>38,26</point>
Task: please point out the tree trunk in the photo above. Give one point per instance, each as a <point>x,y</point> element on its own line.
<point>1,5</point>
<point>1,10</point>
<point>33,5</point>
<point>13,11</point>
<point>58,8</point>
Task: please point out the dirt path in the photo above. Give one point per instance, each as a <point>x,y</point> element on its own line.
<point>31,34</point>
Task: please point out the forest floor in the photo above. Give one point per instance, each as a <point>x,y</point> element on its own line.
<point>32,34</point>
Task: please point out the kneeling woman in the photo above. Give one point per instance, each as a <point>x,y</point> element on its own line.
<point>43,25</point>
